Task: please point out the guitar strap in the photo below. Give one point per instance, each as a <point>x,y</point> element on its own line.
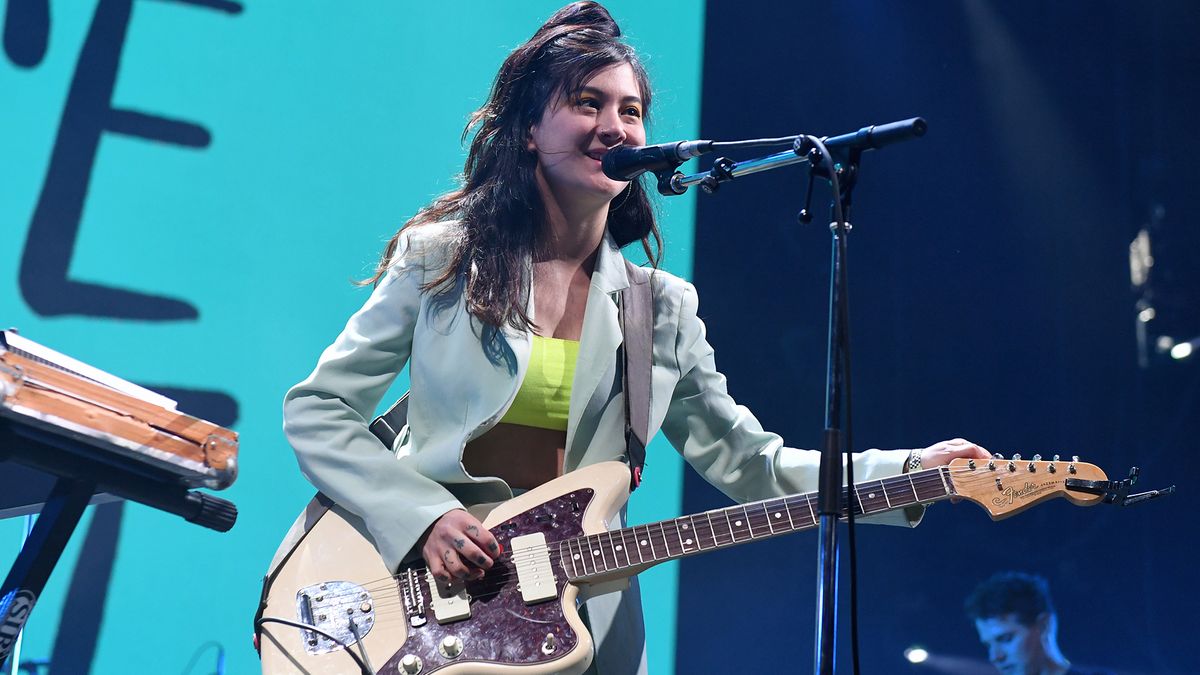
<point>637,327</point>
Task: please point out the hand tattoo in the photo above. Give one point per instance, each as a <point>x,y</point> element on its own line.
<point>473,530</point>
<point>460,543</point>
<point>493,547</point>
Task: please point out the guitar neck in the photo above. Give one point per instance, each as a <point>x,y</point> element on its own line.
<point>619,553</point>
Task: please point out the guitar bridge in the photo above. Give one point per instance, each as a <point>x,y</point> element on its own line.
<point>339,608</point>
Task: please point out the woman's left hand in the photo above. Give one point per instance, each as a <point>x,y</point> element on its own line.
<point>942,453</point>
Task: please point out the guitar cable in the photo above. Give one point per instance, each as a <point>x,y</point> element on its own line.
<point>362,666</point>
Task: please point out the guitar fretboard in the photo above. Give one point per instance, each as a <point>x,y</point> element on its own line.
<point>633,548</point>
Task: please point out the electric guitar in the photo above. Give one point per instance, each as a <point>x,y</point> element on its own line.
<point>522,617</point>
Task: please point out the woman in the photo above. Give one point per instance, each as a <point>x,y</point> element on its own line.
<point>521,265</point>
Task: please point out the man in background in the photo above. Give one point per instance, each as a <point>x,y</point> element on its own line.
<point>1017,623</point>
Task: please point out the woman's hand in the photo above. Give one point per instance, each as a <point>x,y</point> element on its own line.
<point>942,453</point>
<point>457,546</point>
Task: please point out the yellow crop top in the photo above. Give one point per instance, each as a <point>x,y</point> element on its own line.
<point>545,393</point>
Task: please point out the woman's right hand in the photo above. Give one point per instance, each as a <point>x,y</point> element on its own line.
<point>457,546</point>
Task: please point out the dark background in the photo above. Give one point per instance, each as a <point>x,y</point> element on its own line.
<point>990,299</point>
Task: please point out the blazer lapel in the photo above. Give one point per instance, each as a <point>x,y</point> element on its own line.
<point>600,337</point>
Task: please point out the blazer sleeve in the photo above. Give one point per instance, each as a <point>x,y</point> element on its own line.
<point>727,445</point>
<point>325,417</point>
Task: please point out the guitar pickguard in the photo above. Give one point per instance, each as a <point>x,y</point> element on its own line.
<point>502,628</point>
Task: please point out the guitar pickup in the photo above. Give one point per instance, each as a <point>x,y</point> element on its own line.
<point>450,601</point>
<point>535,574</point>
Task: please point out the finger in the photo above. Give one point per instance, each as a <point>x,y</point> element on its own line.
<point>436,568</point>
<point>485,540</point>
<point>471,553</point>
<point>455,565</point>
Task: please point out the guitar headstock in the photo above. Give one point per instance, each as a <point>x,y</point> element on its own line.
<point>1005,487</point>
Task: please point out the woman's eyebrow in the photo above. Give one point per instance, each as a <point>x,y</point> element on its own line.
<point>600,93</point>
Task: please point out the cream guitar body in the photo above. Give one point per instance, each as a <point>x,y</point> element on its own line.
<point>337,563</point>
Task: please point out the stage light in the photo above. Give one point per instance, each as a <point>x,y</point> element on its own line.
<point>916,654</point>
<point>1183,349</point>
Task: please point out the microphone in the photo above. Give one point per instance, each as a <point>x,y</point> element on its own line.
<point>626,162</point>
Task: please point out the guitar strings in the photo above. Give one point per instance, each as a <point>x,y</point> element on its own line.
<point>755,515</point>
<point>496,584</point>
<point>756,519</point>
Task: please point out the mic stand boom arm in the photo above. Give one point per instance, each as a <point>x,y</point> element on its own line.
<point>867,138</point>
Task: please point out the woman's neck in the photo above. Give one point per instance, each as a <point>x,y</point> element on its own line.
<point>573,231</point>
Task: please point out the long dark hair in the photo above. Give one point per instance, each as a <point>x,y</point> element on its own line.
<point>498,205</point>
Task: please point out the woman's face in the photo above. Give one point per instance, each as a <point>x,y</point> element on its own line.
<point>576,130</point>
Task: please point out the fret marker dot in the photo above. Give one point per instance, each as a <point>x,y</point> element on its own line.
<point>738,523</point>
<point>643,542</point>
<point>618,547</point>
<point>778,515</point>
<point>595,552</point>
<point>576,556</point>
<point>685,526</point>
<point>688,542</point>
<point>870,495</point>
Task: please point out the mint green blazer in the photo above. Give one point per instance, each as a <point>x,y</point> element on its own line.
<point>458,392</point>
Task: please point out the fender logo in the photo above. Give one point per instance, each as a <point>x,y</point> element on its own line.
<point>14,610</point>
<point>1010,495</point>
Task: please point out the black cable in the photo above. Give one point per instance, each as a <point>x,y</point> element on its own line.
<point>298,624</point>
<point>200,652</point>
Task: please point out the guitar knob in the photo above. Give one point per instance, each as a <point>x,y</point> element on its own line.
<point>1037,458</point>
<point>451,647</point>
<point>1017,456</point>
<point>411,664</point>
<point>1057,457</point>
<point>998,456</point>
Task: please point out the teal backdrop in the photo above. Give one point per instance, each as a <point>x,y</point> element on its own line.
<point>253,158</point>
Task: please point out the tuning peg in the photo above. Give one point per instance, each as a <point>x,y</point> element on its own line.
<point>1074,458</point>
<point>1057,457</point>
<point>1037,458</point>
<point>998,456</point>
<point>971,464</point>
<point>1016,456</point>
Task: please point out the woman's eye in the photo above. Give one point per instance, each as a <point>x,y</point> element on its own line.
<point>589,103</point>
<point>633,112</point>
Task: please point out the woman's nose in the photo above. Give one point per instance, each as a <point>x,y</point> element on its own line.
<point>609,129</point>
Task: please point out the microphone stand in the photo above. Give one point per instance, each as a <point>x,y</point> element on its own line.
<point>836,159</point>
<point>837,381</point>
